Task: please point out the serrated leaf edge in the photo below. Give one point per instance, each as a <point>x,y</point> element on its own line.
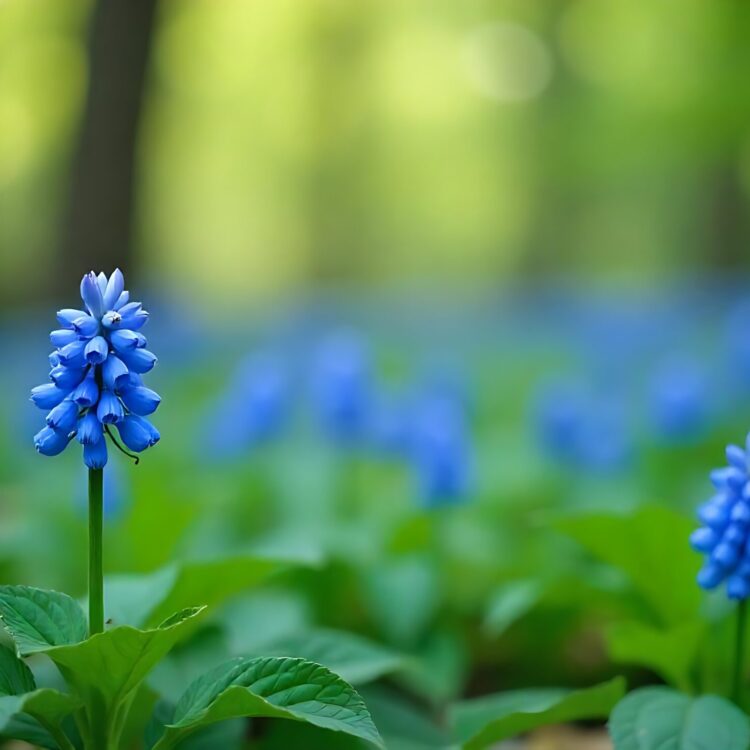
<point>377,739</point>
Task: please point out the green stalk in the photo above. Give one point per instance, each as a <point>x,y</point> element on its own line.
<point>96,574</point>
<point>739,652</point>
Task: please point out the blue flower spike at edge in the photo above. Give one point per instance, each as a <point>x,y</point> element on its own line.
<point>724,538</point>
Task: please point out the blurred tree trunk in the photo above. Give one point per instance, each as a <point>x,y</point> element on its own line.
<point>341,139</point>
<point>727,241</point>
<point>98,229</point>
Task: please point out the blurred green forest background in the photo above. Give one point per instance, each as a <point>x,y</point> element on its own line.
<point>250,149</point>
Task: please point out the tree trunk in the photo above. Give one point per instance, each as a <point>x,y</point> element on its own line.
<point>98,230</point>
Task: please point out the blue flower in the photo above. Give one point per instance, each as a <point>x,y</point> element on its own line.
<point>738,342</point>
<point>254,408</point>
<point>342,387</point>
<point>725,533</point>
<point>582,429</point>
<point>440,453</point>
<point>680,400</point>
<point>95,373</point>
<point>560,412</point>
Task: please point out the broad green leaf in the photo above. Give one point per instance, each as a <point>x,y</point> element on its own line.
<point>46,705</point>
<point>402,725</point>
<point>106,669</point>
<point>26,728</point>
<point>17,687</point>
<point>510,603</point>
<point>355,659</point>
<point>660,718</point>
<point>671,653</point>
<point>652,548</point>
<point>114,663</point>
<point>15,676</point>
<point>145,600</point>
<point>271,687</point>
<point>480,722</point>
<point>37,619</point>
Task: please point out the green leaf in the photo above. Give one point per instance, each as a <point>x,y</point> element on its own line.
<point>438,670</point>
<point>46,705</point>
<point>145,600</point>
<point>402,725</point>
<point>106,670</point>
<point>483,721</point>
<point>671,653</point>
<point>26,728</point>
<point>15,676</point>
<point>111,665</point>
<point>355,659</point>
<point>21,702</point>
<point>403,596</point>
<point>651,548</point>
<point>37,619</point>
<point>659,718</point>
<point>509,604</point>
<point>271,687</point>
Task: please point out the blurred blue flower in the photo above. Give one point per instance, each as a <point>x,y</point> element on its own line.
<point>254,407</point>
<point>390,427</point>
<point>605,444</point>
<point>96,374</point>
<point>581,429</point>
<point>342,384</point>
<point>559,415</point>
<point>738,341</point>
<point>679,400</point>
<point>725,533</point>
<point>440,453</point>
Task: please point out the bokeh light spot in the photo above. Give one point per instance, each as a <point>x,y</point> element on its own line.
<point>507,62</point>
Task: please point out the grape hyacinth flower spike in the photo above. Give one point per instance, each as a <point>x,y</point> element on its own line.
<point>95,377</point>
<point>725,540</point>
<point>96,385</point>
<point>725,532</point>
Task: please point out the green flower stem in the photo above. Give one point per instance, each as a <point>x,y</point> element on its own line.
<point>739,652</point>
<point>96,574</point>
